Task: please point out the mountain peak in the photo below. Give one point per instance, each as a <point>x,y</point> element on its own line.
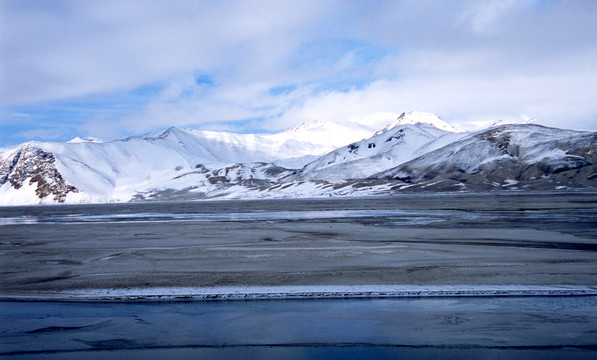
<point>307,125</point>
<point>87,139</point>
<point>417,117</point>
<point>163,134</point>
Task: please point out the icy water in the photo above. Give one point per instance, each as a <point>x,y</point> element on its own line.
<point>545,209</point>
<point>475,328</point>
<point>545,239</point>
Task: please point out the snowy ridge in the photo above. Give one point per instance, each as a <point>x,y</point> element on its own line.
<point>417,117</point>
<point>119,170</point>
<point>85,140</point>
<point>310,138</point>
<point>396,145</point>
<point>416,152</point>
<point>507,156</point>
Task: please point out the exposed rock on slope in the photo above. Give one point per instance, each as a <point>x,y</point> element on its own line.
<point>394,145</point>
<point>508,156</point>
<point>416,152</point>
<point>30,165</point>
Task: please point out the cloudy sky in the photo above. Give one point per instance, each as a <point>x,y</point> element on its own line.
<point>116,68</point>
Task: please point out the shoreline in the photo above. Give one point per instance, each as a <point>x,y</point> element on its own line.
<point>166,294</point>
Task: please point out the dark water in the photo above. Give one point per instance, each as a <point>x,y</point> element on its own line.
<point>550,210</point>
<point>449,328</point>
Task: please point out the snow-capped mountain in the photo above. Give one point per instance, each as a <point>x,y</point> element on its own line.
<point>416,151</point>
<point>409,136</point>
<point>417,117</point>
<point>515,156</point>
<point>296,145</point>
<point>118,170</point>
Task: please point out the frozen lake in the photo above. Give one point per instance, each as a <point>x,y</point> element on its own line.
<point>507,327</point>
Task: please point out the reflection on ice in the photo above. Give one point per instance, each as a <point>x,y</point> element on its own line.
<point>552,210</point>
<point>515,327</point>
<point>398,216</point>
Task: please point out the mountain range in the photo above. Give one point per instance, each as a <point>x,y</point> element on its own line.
<point>415,152</point>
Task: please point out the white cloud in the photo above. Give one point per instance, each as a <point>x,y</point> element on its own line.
<point>468,61</point>
<point>466,101</point>
<point>73,48</point>
<point>483,15</point>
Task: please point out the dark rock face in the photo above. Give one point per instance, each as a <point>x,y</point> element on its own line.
<point>500,158</point>
<point>275,170</point>
<point>37,166</point>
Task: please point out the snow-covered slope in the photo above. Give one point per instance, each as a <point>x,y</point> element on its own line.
<point>418,117</point>
<point>408,137</point>
<point>118,170</point>
<point>216,149</point>
<point>417,151</point>
<point>514,156</point>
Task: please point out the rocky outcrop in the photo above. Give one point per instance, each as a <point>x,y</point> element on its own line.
<point>521,156</point>
<point>32,164</point>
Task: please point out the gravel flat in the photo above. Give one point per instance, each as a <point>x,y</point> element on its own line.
<point>431,239</point>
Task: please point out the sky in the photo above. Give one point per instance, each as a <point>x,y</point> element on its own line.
<point>111,69</point>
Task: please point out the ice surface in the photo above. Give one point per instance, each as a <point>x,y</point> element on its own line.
<point>324,291</point>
